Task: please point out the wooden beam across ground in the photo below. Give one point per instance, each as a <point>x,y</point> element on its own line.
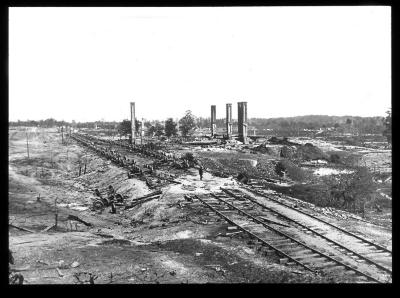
<point>21,228</point>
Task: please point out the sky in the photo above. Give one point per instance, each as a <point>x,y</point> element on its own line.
<point>88,64</point>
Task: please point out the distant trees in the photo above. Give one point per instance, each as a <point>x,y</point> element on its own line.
<point>124,128</point>
<point>155,130</point>
<point>293,125</point>
<point>204,122</point>
<point>170,128</point>
<point>138,125</point>
<point>387,121</point>
<point>107,125</point>
<point>49,122</point>
<point>147,124</point>
<point>187,124</point>
<point>287,126</point>
<point>158,129</point>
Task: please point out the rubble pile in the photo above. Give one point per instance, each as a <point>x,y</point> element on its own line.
<point>290,150</point>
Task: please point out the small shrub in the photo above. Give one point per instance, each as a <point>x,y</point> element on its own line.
<point>309,152</point>
<point>189,156</point>
<point>351,191</point>
<point>293,171</point>
<point>279,169</point>
<point>334,158</point>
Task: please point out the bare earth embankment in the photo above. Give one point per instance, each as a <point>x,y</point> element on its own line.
<point>167,240</point>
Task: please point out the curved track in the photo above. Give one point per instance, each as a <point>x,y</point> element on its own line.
<point>238,210</point>
<point>316,231</point>
<point>369,242</point>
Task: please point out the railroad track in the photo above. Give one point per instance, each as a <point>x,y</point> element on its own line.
<point>154,152</point>
<point>145,172</point>
<point>371,252</point>
<point>238,210</point>
<point>373,248</point>
<point>260,192</point>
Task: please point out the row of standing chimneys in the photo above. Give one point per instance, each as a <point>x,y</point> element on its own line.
<point>242,121</point>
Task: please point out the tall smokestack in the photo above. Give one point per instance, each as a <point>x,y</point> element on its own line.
<point>242,121</point>
<point>133,128</point>
<point>213,120</point>
<point>229,120</point>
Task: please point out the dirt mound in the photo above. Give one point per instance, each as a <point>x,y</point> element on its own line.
<point>234,163</point>
<point>310,152</point>
<point>281,141</point>
<point>267,150</point>
<point>239,165</point>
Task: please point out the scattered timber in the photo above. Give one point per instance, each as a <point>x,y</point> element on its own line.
<point>48,228</point>
<point>76,218</point>
<point>142,201</point>
<point>22,229</point>
<point>172,181</point>
<point>148,197</point>
<point>200,143</point>
<point>157,192</point>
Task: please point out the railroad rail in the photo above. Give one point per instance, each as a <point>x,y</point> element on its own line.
<point>379,247</point>
<point>357,256</point>
<point>145,172</point>
<point>294,250</point>
<point>149,150</point>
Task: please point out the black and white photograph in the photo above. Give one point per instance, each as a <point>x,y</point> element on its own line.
<point>200,145</point>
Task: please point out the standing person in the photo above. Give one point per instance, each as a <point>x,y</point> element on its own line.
<point>201,172</point>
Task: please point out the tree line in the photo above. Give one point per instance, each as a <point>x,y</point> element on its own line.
<point>187,125</point>
<point>282,125</point>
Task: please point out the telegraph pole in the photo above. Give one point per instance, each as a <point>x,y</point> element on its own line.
<point>141,132</point>
<point>27,144</point>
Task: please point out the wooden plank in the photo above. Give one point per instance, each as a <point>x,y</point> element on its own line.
<point>158,192</point>
<point>76,218</point>
<point>273,222</point>
<point>142,201</point>
<point>46,229</point>
<point>21,228</point>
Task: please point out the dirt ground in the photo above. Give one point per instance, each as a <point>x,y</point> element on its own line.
<point>161,241</point>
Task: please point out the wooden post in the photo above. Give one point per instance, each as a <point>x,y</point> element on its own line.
<point>141,132</point>
<point>27,144</point>
<point>56,213</point>
<point>84,171</point>
<point>79,170</point>
<point>62,134</point>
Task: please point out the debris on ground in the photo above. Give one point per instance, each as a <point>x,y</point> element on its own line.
<point>156,230</point>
